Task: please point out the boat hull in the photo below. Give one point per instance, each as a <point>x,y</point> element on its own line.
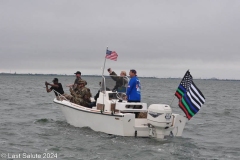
<point>117,124</point>
<point>121,124</point>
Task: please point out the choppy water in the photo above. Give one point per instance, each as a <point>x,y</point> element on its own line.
<point>31,123</point>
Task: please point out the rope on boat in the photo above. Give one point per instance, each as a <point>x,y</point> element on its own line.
<point>60,95</point>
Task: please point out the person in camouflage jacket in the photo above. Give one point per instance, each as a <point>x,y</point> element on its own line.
<point>81,94</point>
<point>87,96</point>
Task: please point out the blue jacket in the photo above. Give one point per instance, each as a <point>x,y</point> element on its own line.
<point>134,89</point>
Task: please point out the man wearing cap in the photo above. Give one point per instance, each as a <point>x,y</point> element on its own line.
<point>80,94</point>
<point>78,78</point>
<point>57,87</point>
<point>134,87</point>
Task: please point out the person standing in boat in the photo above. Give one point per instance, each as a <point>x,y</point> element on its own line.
<point>57,87</point>
<point>120,80</point>
<point>78,78</point>
<point>134,87</point>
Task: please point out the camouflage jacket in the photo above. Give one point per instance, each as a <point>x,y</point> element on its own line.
<point>81,93</point>
<point>88,95</point>
<point>77,92</point>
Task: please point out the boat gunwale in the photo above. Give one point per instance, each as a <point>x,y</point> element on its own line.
<point>89,111</point>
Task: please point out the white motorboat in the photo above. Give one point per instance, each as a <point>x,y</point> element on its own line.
<point>114,115</point>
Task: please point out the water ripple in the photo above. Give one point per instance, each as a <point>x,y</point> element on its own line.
<point>30,122</point>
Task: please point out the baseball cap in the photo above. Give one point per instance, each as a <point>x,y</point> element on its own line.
<point>78,72</point>
<point>133,71</point>
<point>55,80</point>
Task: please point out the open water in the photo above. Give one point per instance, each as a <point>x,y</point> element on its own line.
<point>33,127</point>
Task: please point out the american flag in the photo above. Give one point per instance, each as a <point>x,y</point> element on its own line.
<point>111,55</point>
<point>190,97</point>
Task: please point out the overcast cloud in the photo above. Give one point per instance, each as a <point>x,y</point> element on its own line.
<point>159,38</point>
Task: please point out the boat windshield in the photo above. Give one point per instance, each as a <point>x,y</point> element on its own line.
<point>114,83</point>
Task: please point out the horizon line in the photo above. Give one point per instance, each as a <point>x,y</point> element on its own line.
<point>96,75</point>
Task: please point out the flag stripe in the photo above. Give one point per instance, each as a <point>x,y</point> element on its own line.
<point>187,107</point>
<point>180,92</point>
<point>198,94</point>
<point>182,88</point>
<point>193,101</point>
<point>198,91</point>
<point>182,106</point>
<point>184,110</point>
<point>195,97</point>
<point>178,95</point>
<point>112,55</point>
<point>193,108</point>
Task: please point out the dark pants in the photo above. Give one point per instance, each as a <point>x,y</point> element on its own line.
<point>133,101</point>
<point>136,113</point>
<point>92,104</point>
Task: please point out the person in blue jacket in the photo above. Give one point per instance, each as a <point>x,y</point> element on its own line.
<point>134,87</point>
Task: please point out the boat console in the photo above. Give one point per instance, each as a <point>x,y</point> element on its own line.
<point>109,103</point>
<point>115,100</point>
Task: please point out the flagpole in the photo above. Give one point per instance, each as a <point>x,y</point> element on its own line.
<point>172,100</point>
<point>104,63</point>
<point>102,110</point>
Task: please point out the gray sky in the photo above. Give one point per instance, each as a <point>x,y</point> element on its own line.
<point>159,38</point>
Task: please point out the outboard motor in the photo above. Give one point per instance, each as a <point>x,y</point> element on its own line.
<point>159,120</point>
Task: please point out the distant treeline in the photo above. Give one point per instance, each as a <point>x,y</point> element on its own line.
<point>37,74</point>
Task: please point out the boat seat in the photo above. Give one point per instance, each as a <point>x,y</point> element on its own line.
<point>113,108</point>
<point>142,115</point>
<point>100,106</point>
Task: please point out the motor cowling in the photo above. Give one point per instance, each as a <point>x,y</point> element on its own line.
<point>159,115</point>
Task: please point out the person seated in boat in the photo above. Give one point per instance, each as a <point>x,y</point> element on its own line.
<point>58,90</point>
<point>87,97</point>
<point>134,87</point>
<point>81,94</point>
<point>95,97</point>
<point>75,92</point>
<point>120,80</point>
<point>78,78</point>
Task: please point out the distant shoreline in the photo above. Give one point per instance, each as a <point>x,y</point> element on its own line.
<point>37,74</point>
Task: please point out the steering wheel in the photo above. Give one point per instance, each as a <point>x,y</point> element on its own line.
<point>121,96</point>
